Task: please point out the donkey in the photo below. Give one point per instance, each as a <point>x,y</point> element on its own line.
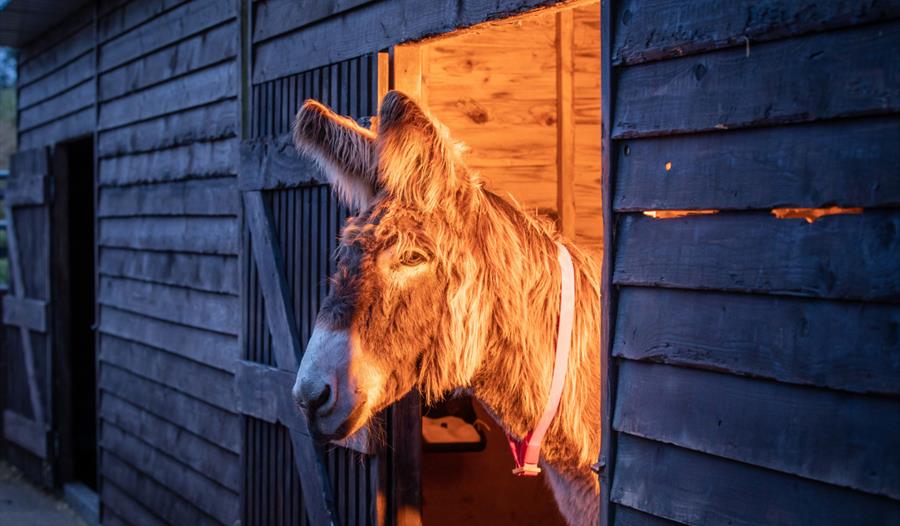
<point>443,286</point>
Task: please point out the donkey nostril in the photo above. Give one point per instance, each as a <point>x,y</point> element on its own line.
<point>322,399</point>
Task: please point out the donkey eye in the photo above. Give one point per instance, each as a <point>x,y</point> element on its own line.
<point>411,258</point>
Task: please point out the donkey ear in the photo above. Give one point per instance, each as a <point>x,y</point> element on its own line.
<point>417,160</point>
<point>344,150</point>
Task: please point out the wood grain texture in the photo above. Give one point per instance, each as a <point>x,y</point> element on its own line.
<point>209,272</point>
<point>845,163</point>
<point>838,74</point>
<point>204,310</point>
<point>57,130</point>
<point>210,348</point>
<point>213,499</point>
<point>657,29</point>
<point>197,88</point>
<point>202,124</point>
<point>61,54</point>
<point>63,79</point>
<point>843,256</point>
<point>166,504</point>
<point>276,17</point>
<point>28,313</point>
<point>118,504</point>
<point>207,421</point>
<point>191,161</point>
<point>25,433</point>
<point>626,516</point>
<point>211,235</point>
<point>838,345</point>
<point>264,392</point>
<point>847,440</point>
<point>116,19</point>
<point>197,52</point>
<point>66,103</point>
<point>172,370</point>
<point>694,488</point>
<point>198,454</point>
<point>352,33</point>
<point>273,163</point>
<point>197,197</point>
<point>170,27</point>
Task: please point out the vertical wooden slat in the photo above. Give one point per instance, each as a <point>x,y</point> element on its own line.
<point>565,123</point>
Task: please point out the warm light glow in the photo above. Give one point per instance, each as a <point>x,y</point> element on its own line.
<point>668,166</point>
<point>671,214</point>
<point>812,214</point>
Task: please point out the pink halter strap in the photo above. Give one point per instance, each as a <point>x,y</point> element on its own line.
<point>527,452</point>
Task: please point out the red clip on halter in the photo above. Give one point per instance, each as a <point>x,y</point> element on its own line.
<point>527,452</point>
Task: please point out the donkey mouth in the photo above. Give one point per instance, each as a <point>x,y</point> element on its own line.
<point>318,425</point>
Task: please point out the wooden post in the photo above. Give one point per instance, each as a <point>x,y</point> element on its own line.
<point>565,123</point>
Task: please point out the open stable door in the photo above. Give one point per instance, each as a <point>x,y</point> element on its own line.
<point>26,313</point>
<point>291,227</point>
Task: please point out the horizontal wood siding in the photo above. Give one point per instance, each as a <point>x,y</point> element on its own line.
<point>168,236</point>
<point>56,83</point>
<point>756,356</point>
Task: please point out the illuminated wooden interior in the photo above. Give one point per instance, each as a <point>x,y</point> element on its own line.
<point>524,95</point>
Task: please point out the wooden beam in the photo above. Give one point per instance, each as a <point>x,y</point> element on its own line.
<point>565,123</point>
<point>272,163</point>
<point>25,433</point>
<point>264,393</point>
<point>25,312</point>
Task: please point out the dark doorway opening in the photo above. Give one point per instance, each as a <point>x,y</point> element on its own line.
<point>76,379</point>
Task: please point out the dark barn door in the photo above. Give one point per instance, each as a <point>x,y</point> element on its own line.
<point>292,222</point>
<point>27,418</point>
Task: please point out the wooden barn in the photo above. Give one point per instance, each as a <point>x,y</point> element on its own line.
<point>733,165</point>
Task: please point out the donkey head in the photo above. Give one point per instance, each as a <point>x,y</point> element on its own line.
<point>400,313</point>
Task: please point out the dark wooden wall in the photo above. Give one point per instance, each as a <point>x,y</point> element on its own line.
<point>756,358</point>
<point>168,235</point>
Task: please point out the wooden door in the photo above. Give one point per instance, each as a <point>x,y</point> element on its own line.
<point>292,222</point>
<point>27,418</point>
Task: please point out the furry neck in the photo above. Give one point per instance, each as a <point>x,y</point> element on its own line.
<point>514,377</point>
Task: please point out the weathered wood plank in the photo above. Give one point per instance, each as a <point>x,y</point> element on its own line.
<point>197,52</point>
<point>58,56</point>
<point>352,33</point>
<point>119,19</point>
<point>120,508</point>
<point>845,256</point>
<point>192,378</point>
<point>61,105</point>
<point>169,505</point>
<point>277,17</point>
<point>205,123</point>
<point>61,80</point>
<point>170,27</point>
<point>694,488</point>
<point>25,312</point>
<point>205,310</point>
<point>192,161</point>
<point>198,197</point>
<point>57,130</point>
<point>272,163</point>
<point>212,235</point>
<point>194,89</point>
<point>264,392</point>
<point>845,163</point>
<point>29,180</point>
<point>207,421</point>
<point>839,345</point>
<point>838,74</point>
<point>209,272</point>
<point>204,457</point>
<point>272,283</point>
<point>210,348</point>
<point>25,433</point>
<point>657,29</point>
<point>787,428</point>
<point>213,499</point>
<point>626,516</point>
